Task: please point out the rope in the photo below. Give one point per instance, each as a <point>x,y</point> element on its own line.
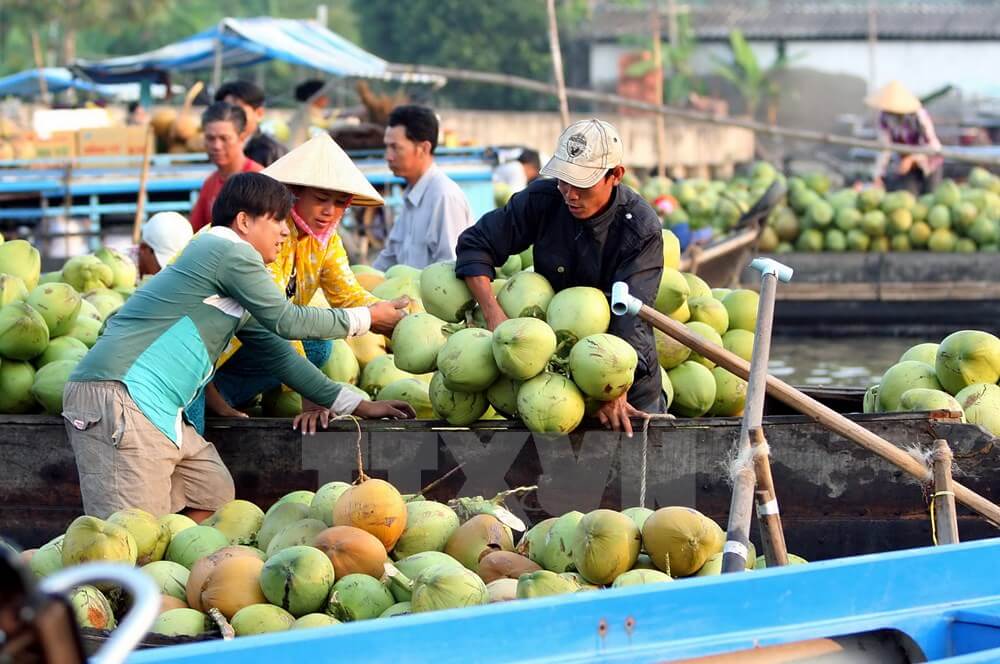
<point>361,468</point>
<point>934,497</point>
<point>643,461</point>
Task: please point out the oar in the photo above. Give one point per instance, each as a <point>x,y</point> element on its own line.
<point>623,304</point>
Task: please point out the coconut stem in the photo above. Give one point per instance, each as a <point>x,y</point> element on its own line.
<point>228,633</point>
<point>423,492</point>
<point>361,467</point>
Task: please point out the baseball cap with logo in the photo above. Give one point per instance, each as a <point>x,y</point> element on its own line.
<point>585,152</point>
<point>166,233</point>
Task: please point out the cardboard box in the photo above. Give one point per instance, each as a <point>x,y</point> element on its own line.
<point>104,142</point>
<point>60,145</point>
<point>135,140</point>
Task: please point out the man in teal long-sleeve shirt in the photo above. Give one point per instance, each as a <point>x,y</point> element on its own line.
<point>124,403</point>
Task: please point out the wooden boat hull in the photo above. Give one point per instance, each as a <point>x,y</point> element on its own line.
<point>837,499</point>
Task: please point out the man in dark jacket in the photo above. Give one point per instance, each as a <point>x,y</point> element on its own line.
<point>587,229</point>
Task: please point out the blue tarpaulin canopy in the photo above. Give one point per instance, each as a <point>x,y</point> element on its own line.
<point>240,42</point>
<point>57,79</point>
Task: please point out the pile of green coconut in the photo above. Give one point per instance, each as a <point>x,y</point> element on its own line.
<point>347,553</point>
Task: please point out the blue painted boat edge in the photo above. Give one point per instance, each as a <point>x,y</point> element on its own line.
<point>688,618</point>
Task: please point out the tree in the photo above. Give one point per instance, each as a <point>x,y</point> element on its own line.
<point>753,82</point>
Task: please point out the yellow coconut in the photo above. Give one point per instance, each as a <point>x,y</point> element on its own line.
<point>605,545</point>
<point>367,347</point>
<point>505,565</point>
<point>232,585</point>
<point>151,536</point>
<point>374,506</point>
<point>89,539</point>
<point>204,567</point>
<point>239,520</point>
<point>477,537</point>
<point>352,551</point>
<point>369,280</point>
<point>679,540</point>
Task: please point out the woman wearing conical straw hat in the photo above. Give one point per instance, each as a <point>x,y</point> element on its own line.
<point>325,182</point>
<point>902,119</point>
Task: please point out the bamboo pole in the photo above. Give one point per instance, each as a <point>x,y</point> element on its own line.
<point>772,533</point>
<point>36,49</point>
<point>140,204</point>
<point>557,64</point>
<point>824,415</point>
<point>661,122</point>
<point>694,116</point>
<point>945,517</point>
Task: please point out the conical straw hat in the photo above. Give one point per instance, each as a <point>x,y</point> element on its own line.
<point>894,98</point>
<point>321,163</point>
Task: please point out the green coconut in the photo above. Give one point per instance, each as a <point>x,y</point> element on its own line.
<point>12,289</point>
<point>522,347</point>
<point>447,587</point>
<point>761,562</point>
<point>16,379</point>
<point>666,387</point>
<point>412,566</point>
<point>398,286</point>
<point>238,520</point>
<point>181,622</point>
<point>151,537</point>
<point>18,258</point>
<point>87,273</point>
<point>640,577</point>
<point>922,399</point>
<point>638,515</point>
<point>341,366</point>
<point>466,362</point>
<point>302,497</point>
<point>457,408</point>
<point>526,295</point>
<point>298,579</point>
<point>713,566</point>
<point>175,523</point>
<point>380,372</point>
<point>870,402</point>
<point>85,329</point>
<point>679,540</point>
<point>963,358</point>
<point>402,270</point>
<point>414,392</point>
<point>23,333</point>
<point>902,377</point>
<point>398,609</point>
<point>557,552</point>
<point>358,597</point>
<point>311,620</point>
<point>298,533</point>
<point>669,351</point>
<point>543,584</point>
<point>416,342</point>
<point>708,333</point>
<point>605,545</point>
<point>502,395</point>
<point>92,608</point>
<point>169,577</point>
<point>62,348</point>
<point>261,619</point>
<point>730,394</point>
<point>58,305</point>
<point>48,559</point>
<point>741,305</point>
<point>672,292</point>
<point>124,272</point>
<point>476,537</point>
<point>192,544</point>
<point>709,311</point>
<point>49,383</point>
<point>550,403</point>
<point>981,404</point>
<point>444,295</point>
<point>603,366</point>
<point>429,526</point>
<point>105,300</point>
<point>89,539</point>
<point>532,543</point>
<point>694,389</point>
<point>739,342</point>
<point>578,312</point>
<point>326,497</point>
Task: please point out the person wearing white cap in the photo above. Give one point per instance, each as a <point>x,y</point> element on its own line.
<point>163,237</point>
<point>902,119</point>
<point>325,182</point>
<point>586,229</point>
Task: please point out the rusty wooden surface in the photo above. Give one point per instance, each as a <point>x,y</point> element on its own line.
<point>837,499</point>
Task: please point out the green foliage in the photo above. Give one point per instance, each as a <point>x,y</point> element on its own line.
<point>679,77</point>
<point>754,82</point>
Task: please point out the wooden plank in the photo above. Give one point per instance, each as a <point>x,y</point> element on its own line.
<point>893,292</point>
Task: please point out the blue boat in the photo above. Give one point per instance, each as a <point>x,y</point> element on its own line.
<point>937,604</point>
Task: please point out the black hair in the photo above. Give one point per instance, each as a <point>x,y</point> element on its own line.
<point>264,150</point>
<point>254,193</point>
<point>222,111</point>
<point>420,122</point>
<point>132,106</point>
<point>247,92</point>
<point>307,89</point>
<point>531,158</point>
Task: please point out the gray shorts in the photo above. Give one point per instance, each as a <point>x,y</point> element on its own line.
<point>125,461</point>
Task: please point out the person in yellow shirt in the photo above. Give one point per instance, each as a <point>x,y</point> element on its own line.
<point>324,182</point>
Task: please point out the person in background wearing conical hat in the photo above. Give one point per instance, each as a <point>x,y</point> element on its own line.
<point>902,119</point>
<point>324,182</point>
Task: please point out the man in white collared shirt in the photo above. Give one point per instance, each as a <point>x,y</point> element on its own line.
<point>435,210</point>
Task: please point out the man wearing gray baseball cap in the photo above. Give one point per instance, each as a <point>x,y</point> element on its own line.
<point>586,229</point>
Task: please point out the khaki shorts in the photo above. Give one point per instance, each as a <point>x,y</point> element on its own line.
<point>125,461</point>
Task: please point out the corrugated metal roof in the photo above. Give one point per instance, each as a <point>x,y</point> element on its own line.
<point>812,21</point>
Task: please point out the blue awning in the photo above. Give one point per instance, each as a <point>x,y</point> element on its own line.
<point>249,41</point>
<point>57,79</point>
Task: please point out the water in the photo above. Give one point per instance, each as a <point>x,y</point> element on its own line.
<point>840,362</point>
